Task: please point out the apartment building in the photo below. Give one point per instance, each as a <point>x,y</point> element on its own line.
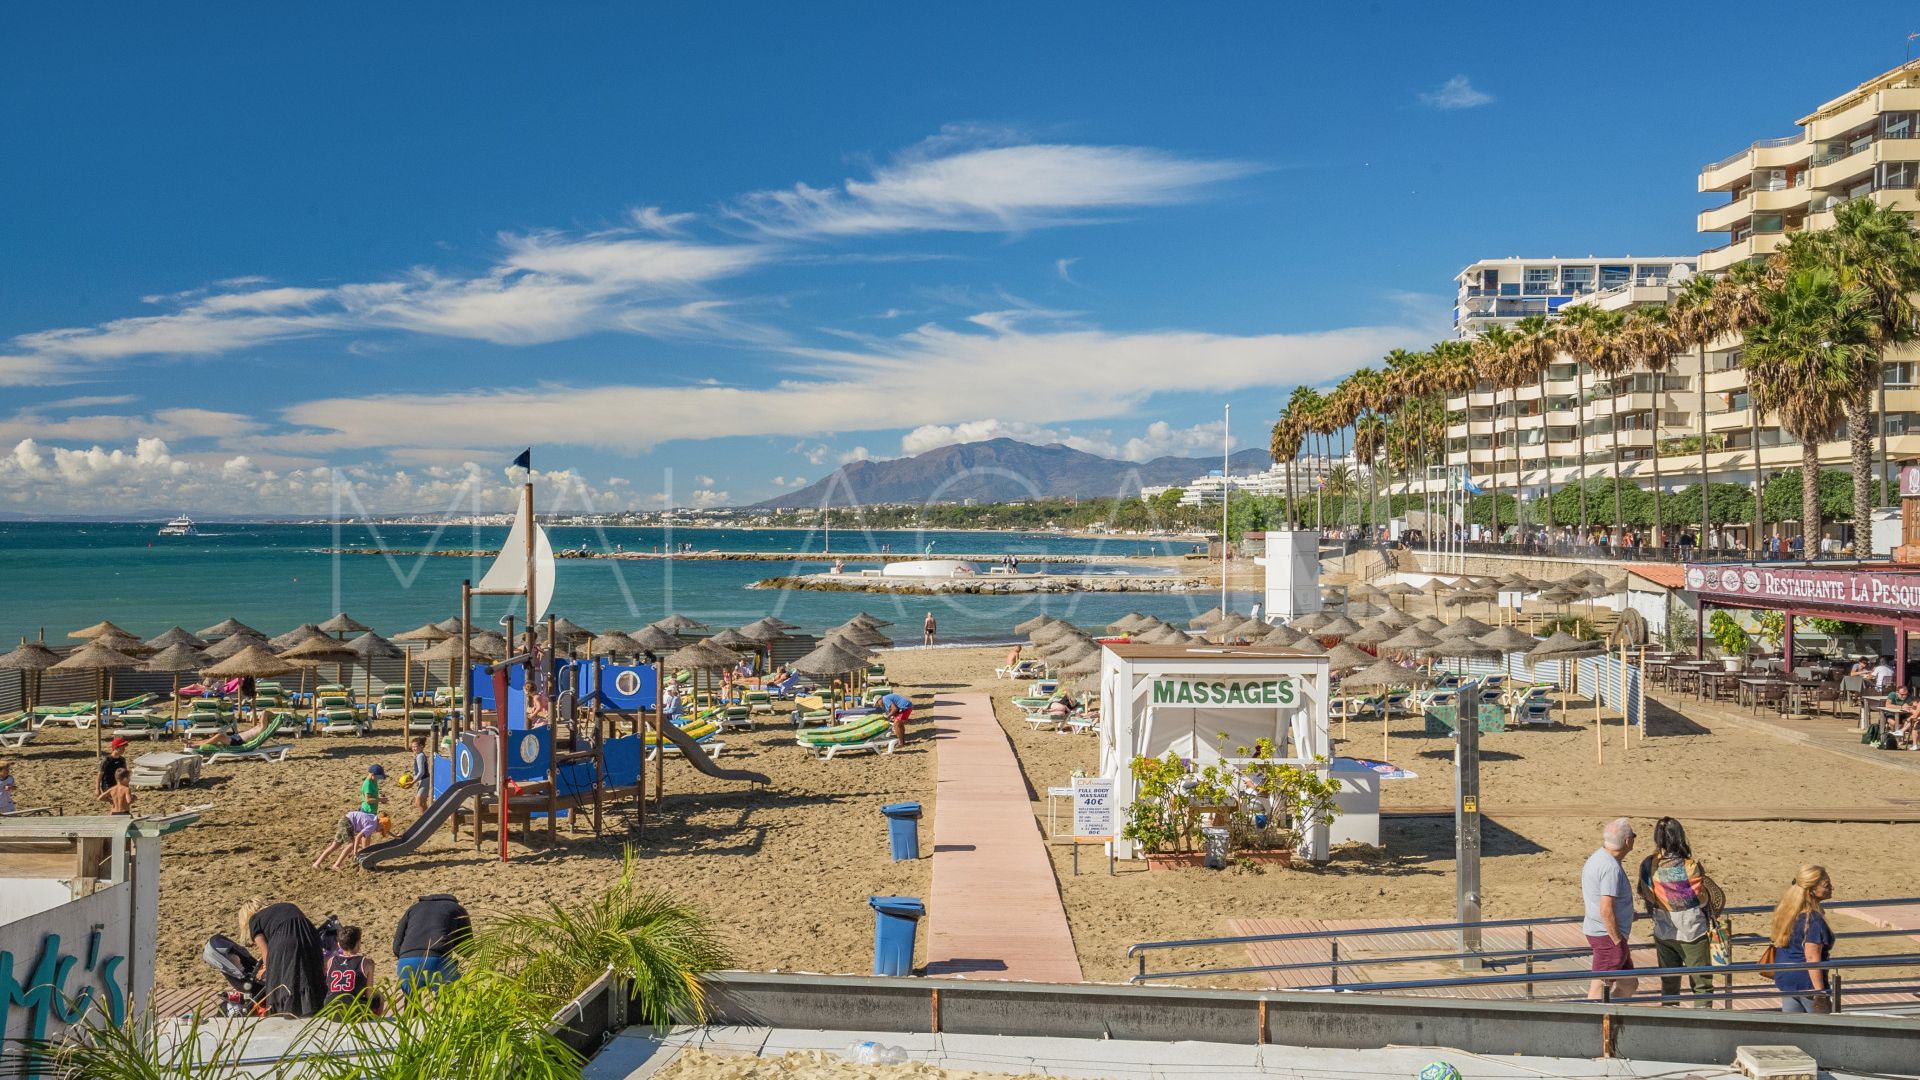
<point>1862,144</point>
<point>1494,292</point>
<point>1206,490</point>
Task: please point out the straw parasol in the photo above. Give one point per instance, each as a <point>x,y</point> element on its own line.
<point>1465,624</point>
<point>677,622</point>
<point>175,636</point>
<point>488,645</point>
<point>1128,623</point>
<point>1427,624</point>
<point>653,639</point>
<point>1311,621</point>
<point>1461,647</point>
<point>98,659</point>
<point>98,629</point>
<point>1373,633</point>
<point>567,628</point>
<point>1347,658</point>
<point>1411,640</point>
<point>1309,646</point>
<point>369,647</point>
<point>1057,628</point>
<point>1507,641</point>
<point>863,637</point>
<point>828,660</point>
<point>233,644</point>
<point>733,639</point>
<point>447,649</point>
<point>1025,627</point>
<point>768,622</point>
<point>1337,627</point>
<point>1234,629</point>
<point>122,642</point>
<point>614,643</point>
<point>343,624</point>
<point>1395,618</point>
<point>1207,618</point>
<point>1384,675</point>
<point>1362,611</point>
<point>295,636</point>
<point>700,656</point>
<point>430,633</point>
<point>1280,634</point>
<point>1360,590</point>
<point>449,626</point>
<point>30,659</point>
<point>1086,665</point>
<point>311,653</point>
<point>173,660</point>
<point>869,619</point>
<point>252,662</point>
<point>761,632</point>
<point>1566,648</point>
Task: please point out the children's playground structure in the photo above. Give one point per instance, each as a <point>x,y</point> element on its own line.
<point>539,738</point>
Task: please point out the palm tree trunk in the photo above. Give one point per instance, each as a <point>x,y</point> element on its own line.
<point>1759,478</point>
<point>1885,495</point>
<point>1706,512</point>
<point>1546,446</point>
<point>1659,533</point>
<point>1293,499</point>
<point>1809,496</point>
<point>1580,399</point>
<point>1618,525</point>
<point>1860,436</point>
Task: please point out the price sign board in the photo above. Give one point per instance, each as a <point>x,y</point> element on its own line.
<point>1093,816</point>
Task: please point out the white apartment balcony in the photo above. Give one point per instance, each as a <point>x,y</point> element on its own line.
<point>1729,420</point>
<point>1755,246</point>
<point>1839,170</point>
<point>1457,431</point>
<point>1529,392</point>
<point>1731,171</point>
<point>1481,427</point>
<point>1457,403</point>
<point>1626,440</point>
<point>1724,218</point>
<point>1481,398</point>
<point>1892,99</point>
<point>1903,199</point>
<point>1726,381</point>
<point>1642,401</point>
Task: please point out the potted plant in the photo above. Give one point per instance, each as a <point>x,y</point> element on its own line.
<point>1261,804</point>
<point>1731,637</point>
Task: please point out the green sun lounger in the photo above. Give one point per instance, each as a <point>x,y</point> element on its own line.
<point>18,729</point>
<point>343,722</point>
<point>254,749</point>
<point>872,733</point>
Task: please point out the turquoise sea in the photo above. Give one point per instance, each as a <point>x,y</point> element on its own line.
<point>63,576</point>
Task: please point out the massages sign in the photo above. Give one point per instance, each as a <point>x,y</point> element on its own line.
<point>1857,589</point>
<point>1196,692</point>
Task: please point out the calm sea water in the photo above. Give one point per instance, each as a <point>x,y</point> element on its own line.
<point>62,576</point>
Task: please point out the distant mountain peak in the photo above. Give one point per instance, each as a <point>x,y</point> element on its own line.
<point>1001,470</point>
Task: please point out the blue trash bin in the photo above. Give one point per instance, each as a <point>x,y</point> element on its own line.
<point>903,829</point>
<point>896,921</point>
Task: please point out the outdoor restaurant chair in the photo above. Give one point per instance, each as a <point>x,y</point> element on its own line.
<point>1770,695</point>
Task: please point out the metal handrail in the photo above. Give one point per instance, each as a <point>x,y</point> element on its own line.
<point>1890,960</point>
<point>1139,950</point>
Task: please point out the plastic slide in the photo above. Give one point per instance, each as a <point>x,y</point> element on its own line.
<point>437,814</point>
<point>698,758</point>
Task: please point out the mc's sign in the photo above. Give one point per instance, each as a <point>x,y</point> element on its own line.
<point>1224,693</point>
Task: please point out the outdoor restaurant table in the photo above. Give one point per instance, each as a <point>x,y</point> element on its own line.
<point>1750,687</point>
<point>1717,679</point>
<point>1870,705</point>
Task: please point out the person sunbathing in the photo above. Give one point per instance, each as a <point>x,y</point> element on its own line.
<point>234,738</point>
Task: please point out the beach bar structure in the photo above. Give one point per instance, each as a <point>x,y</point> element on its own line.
<point>1878,594</point>
<point>1204,702</point>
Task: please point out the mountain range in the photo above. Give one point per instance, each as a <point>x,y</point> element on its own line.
<point>1002,470</point>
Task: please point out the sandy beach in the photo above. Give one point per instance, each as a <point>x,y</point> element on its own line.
<point>786,872</point>
<point>811,1065</point>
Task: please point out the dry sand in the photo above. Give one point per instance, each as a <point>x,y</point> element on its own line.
<point>810,1065</point>
<point>787,872</point>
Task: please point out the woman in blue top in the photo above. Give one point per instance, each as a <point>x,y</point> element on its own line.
<point>1800,935</point>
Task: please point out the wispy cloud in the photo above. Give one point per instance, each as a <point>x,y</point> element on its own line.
<point>948,185</point>
<point>1455,93</point>
<point>1064,268</point>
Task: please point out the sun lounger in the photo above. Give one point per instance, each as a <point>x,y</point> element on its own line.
<point>730,717</point>
<point>164,769</point>
<point>254,749</point>
<point>18,731</point>
<point>811,709</point>
<point>343,722</point>
<point>138,724</point>
<point>759,701</point>
<point>422,721</point>
<point>203,724</point>
<point>872,733</point>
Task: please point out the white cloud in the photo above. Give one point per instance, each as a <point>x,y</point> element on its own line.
<point>817,454</point>
<point>1455,93</point>
<point>703,481</point>
<point>933,374</point>
<point>788,481</point>
<point>858,453</point>
<point>655,220</point>
<point>36,477</point>
<point>947,184</point>
<point>1063,267</point>
<point>707,498</point>
<point>1160,439</point>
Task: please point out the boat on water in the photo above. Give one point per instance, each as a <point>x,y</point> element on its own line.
<point>180,526</point>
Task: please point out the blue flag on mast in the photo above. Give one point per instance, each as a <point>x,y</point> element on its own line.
<point>525,460</point>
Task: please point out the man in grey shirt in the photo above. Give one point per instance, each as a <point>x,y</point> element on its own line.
<point>1609,909</point>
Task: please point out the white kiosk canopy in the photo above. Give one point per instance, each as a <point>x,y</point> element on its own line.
<point>1204,703</point>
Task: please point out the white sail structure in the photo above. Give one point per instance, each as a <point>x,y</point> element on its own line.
<point>508,574</point>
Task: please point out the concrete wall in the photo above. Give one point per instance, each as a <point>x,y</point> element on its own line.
<point>1338,1021</point>
<point>109,977</point>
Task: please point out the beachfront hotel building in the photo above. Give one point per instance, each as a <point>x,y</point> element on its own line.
<point>1862,144</point>
<point>1206,490</point>
<point>1501,292</point>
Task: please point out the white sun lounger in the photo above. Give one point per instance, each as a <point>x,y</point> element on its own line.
<point>276,753</point>
<point>19,736</point>
<point>164,769</point>
<point>885,744</point>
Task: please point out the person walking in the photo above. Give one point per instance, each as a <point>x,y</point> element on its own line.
<point>424,941</point>
<point>1682,903</point>
<point>292,965</point>
<point>1608,898</point>
<point>1800,935</point>
<point>926,630</point>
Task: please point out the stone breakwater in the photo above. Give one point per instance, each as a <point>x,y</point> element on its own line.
<point>983,585</point>
<point>753,556</point>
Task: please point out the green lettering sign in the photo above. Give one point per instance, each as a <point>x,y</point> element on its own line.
<point>1226,693</point>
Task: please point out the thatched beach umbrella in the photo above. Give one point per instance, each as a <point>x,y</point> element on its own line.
<point>1508,641</point>
<point>1395,618</point>
<point>303,632</point>
<point>733,639</point>
<point>367,648</point>
<point>614,643</point>
<point>343,624</point>
<point>1427,624</point>
<point>768,622</point>
<point>1412,641</point>
<point>1128,623</point>
<point>1566,648</point>
<point>1206,618</point>
<point>99,629</point>
<point>30,659</point>
<point>488,645</point>
<point>1027,626</point>
<point>449,626</point>
<point>700,656</point>
<point>123,642</point>
<point>309,655</point>
<point>430,633</point>
<point>1167,635</point>
<point>234,644</point>
<point>98,659</point>
<point>1084,666</point>
<point>253,662</point>
<point>1385,675</point>
<point>1343,658</point>
<point>1337,627</point>
<point>447,649</point>
<point>173,660</point>
<point>1466,624</point>
<point>1309,646</point>
<point>175,636</point>
<point>1279,634</point>
<point>1311,621</point>
<point>1358,612</point>
<point>655,640</point>
<point>677,622</point>
<point>1372,634</point>
<point>829,660</point>
<point>1040,635</point>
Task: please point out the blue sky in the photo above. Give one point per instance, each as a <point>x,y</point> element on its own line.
<point>256,255</point>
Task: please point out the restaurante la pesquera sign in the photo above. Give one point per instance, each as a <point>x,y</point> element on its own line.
<point>1841,588</point>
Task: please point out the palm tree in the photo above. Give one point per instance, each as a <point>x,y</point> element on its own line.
<point>1402,386</point>
<point>1653,342</point>
<point>1491,363</point>
<point>1369,445</point>
<point>1698,322</point>
<point>1536,345</point>
<point>1595,335</point>
<point>1875,248</point>
<point>1742,300</point>
<point>1810,363</point>
<point>1288,432</point>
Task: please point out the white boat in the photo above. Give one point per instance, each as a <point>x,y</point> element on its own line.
<point>180,526</point>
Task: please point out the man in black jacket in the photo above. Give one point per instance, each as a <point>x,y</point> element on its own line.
<point>424,941</point>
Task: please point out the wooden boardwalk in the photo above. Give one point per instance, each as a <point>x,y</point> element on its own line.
<point>995,911</point>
